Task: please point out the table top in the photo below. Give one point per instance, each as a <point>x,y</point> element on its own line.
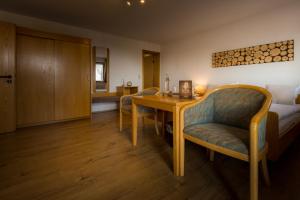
<point>125,86</point>
<point>170,100</point>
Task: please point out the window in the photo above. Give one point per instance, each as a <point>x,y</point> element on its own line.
<point>99,72</point>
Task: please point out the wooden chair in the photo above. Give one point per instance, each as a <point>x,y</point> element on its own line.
<point>126,107</point>
<point>231,120</point>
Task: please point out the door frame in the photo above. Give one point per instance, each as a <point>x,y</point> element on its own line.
<point>150,52</point>
<point>94,92</point>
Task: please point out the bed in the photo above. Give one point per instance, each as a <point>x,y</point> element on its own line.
<point>283,126</point>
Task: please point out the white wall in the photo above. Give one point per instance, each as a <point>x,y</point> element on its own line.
<point>190,58</point>
<point>105,106</point>
<point>101,52</point>
<point>125,54</point>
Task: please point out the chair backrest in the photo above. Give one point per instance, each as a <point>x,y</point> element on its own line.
<point>148,91</point>
<point>236,106</point>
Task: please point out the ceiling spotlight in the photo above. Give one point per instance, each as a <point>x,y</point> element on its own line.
<point>134,2</point>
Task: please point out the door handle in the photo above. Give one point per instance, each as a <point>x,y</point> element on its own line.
<point>6,77</point>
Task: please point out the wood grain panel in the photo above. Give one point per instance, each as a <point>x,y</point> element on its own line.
<point>72,80</point>
<point>7,67</point>
<point>35,85</point>
<point>266,53</point>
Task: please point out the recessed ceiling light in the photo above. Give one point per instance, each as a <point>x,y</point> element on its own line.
<point>135,2</point>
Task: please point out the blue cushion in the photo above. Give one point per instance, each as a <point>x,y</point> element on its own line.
<point>232,106</point>
<point>237,106</point>
<point>127,100</point>
<point>229,137</point>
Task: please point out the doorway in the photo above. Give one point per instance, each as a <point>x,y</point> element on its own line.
<point>151,69</point>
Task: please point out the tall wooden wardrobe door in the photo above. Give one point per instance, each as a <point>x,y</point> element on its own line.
<point>35,80</point>
<point>7,77</point>
<point>72,80</point>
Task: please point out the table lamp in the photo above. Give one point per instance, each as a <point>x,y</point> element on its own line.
<point>200,90</point>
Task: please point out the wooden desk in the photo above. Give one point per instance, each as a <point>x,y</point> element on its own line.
<point>126,90</point>
<point>171,104</point>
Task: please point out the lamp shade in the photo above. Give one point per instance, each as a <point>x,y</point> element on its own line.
<point>200,90</point>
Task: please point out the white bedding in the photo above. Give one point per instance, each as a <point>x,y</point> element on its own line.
<point>289,116</point>
<point>285,111</point>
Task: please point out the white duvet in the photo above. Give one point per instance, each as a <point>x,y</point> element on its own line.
<point>285,111</point>
<point>289,116</point>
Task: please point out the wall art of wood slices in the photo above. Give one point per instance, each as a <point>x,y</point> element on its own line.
<point>266,53</point>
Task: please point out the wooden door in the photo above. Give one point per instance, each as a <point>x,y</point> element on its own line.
<point>151,69</point>
<point>156,70</point>
<point>148,71</point>
<point>35,84</point>
<point>7,80</point>
<point>72,80</point>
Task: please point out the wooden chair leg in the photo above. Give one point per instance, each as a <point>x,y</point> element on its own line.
<point>265,170</point>
<point>254,179</point>
<point>207,152</point>
<point>121,121</point>
<point>211,155</point>
<point>156,124</point>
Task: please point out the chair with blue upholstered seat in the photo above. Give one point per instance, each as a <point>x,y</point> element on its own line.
<point>126,106</point>
<point>230,120</point>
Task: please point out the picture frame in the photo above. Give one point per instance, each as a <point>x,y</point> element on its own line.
<point>185,89</point>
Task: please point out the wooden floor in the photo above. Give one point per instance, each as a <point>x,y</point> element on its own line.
<point>91,159</point>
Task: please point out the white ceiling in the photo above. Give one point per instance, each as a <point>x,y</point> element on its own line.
<point>158,21</point>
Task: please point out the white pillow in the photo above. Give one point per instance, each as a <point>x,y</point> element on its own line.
<point>283,94</point>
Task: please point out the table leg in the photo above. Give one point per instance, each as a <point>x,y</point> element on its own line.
<point>134,123</point>
<point>163,121</point>
<point>181,147</point>
<point>176,142</point>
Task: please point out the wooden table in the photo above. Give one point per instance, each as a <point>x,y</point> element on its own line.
<point>171,104</point>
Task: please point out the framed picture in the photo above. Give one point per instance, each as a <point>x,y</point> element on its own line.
<point>185,89</point>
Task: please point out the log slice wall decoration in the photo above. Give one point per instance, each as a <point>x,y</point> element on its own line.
<point>266,53</point>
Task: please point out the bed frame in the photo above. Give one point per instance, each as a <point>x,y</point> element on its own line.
<point>277,145</point>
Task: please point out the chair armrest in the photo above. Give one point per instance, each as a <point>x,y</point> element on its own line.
<point>272,135</point>
<point>258,127</point>
<point>126,99</point>
<point>261,132</point>
<point>148,91</point>
<point>272,126</point>
<point>199,112</point>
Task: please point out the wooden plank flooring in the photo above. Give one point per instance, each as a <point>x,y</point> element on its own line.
<point>91,159</point>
